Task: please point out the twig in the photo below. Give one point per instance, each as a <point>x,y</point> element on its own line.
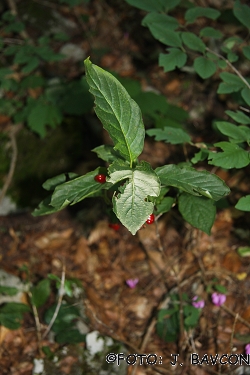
<point>230,65</point>
<point>59,302</point>
<point>229,311</point>
<point>14,129</point>
<point>37,321</point>
<point>233,330</point>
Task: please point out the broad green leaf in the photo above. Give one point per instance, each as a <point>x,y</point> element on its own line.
<point>169,135</point>
<point>193,13</point>
<point>232,79</point>
<point>243,203</point>
<point>41,114</point>
<point>198,211</point>
<point>51,183</point>
<point>239,117</point>
<point>245,93</point>
<point>162,28</point>
<point>228,88</point>
<point>246,52</point>
<point>244,251</point>
<point>40,293</point>
<point>106,153</point>
<point>191,315</point>
<point>164,206</point>
<point>130,203</point>
<point>70,336</point>
<point>65,318</point>
<point>210,32</point>
<point>153,5</point>
<point>238,133</point>
<point>193,42</point>
<point>175,58</point>
<point>8,290</point>
<point>32,65</point>
<point>233,156</point>
<point>242,13</point>
<point>232,57</point>
<point>74,191</point>
<point>160,23</point>
<point>11,314</point>
<point>204,67</point>
<point>119,114</point>
<point>44,208</point>
<point>192,181</point>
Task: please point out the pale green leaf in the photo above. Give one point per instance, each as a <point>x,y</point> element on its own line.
<point>119,114</point>
<point>192,181</point>
<point>242,13</point>
<point>130,204</point>
<point>193,13</point>
<point>210,32</point>
<point>204,67</point>
<point>198,211</point>
<point>233,156</point>
<point>239,117</point>
<point>40,293</point>
<point>244,251</point>
<point>245,93</point>
<point>243,203</point>
<point>169,135</point>
<point>193,42</point>
<point>174,59</point>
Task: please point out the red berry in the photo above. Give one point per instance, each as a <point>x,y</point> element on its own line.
<point>101,178</point>
<point>150,219</point>
<point>114,226</point>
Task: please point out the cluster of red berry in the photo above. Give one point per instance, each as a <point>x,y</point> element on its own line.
<point>101,178</point>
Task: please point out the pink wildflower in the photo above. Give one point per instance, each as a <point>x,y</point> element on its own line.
<point>132,282</point>
<point>247,349</point>
<point>198,304</point>
<point>218,298</point>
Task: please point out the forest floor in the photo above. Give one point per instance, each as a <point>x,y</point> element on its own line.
<point>167,257</point>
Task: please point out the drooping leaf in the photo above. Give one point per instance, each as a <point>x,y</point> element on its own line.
<point>169,135</point>
<point>233,156</point>
<point>243,203</point>
<point>74,191</point>
<point>172,60</point>
<point>192,181</point>
<point>231,83</point>
<point>211,32</point>
<point>120,115</point>
<point>193,42</point>
<point>237,133</point>
<point>154,5</point>
<point>51,183</point>
<point>130,203</point>
<point>204,67</point>
<point>193,13</point>
<point>239,116</point>
<point>40,293</point>
<point>198,211</point>
<point>242,13</point>
<point>245,93</point>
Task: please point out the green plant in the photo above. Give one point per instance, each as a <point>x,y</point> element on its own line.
<point>210,51</point>
<point>132,187</point>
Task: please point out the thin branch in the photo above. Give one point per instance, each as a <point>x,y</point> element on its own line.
<point>233,330</point>
<point>230,65</point>
<point>13,130</point>
<point>37,321</point>
<point>59,302</point>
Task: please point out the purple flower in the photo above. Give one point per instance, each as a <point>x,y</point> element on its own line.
<point>218,298</point>
<point>247,349</point>
<point>132,282</point>
<point>198,304</point>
